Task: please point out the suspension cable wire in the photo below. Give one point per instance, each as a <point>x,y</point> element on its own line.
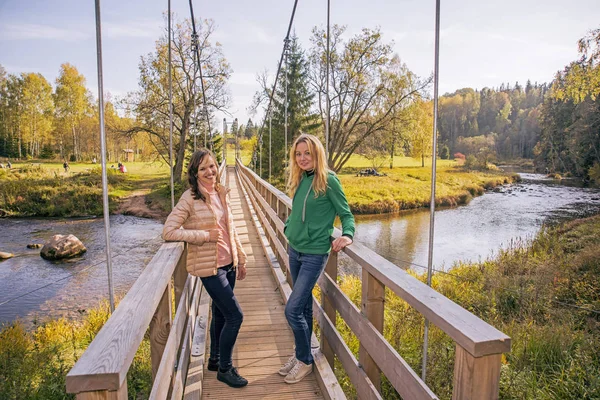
<point>286,50</point>
<point>170,108</point>
<point>205,104</point>
<point>137,245</point>
<point>327,104</point>
<point>433,177</point>
<point>105,208</point>
<point>194,91</point>
<point>287,38</point>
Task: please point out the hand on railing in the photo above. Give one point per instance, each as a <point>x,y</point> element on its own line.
<point>341,242</point>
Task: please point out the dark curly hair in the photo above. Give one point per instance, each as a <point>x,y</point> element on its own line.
<point>195,162</point>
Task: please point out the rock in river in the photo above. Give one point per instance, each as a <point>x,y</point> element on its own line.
<point>62,246</point>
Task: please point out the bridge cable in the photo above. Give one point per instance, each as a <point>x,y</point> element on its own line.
<point>105,208</point>
<point>205,104</point>
<point>436,77</point>
<point>170,108</point>
<point>138,245</point>
<point>285,40</point>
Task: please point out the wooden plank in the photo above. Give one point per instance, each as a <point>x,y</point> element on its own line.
<point>476,378</point>
<point>160,326</point>
<point>372,301</point>
<point>395,368</point>
<point>358,377</point>
<point>104,364</point>
<point>331,270</point>
<point>471,333</point>
<point>161,384</point>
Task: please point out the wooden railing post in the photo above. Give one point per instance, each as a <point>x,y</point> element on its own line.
<point>180,276</point>
<point>476,378</point>
<point>120,394</point>
<point>160,327</point>
<point>373,303</point>
<point>331,268</point>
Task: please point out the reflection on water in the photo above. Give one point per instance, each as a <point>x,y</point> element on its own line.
<point>475,231</point>
<point>82,282</point>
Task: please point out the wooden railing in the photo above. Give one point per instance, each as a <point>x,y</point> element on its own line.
<point>479,346</point>
<point>177,342</point>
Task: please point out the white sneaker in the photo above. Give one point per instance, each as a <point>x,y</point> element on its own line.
<point>298,372</point>
<point>287,367</point>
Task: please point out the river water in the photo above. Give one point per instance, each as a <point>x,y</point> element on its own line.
<point>68,288</point>
<point>470,232</point>
<point>477,230</point>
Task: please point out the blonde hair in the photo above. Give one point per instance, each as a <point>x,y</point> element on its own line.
<point>317,152</point>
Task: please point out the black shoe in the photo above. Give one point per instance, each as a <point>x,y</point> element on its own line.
<point>232,378</point>
<point>213,365</point>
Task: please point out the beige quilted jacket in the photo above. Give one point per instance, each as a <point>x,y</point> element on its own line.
<point>197,217</point>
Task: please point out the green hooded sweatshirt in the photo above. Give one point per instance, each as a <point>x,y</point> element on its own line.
<point>310,225</point>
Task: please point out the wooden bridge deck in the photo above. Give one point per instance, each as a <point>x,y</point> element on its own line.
<point>265,341</point>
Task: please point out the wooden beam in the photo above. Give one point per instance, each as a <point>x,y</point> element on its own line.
<point>476,378</point>
<point>473,334</point>
<point>104,364</point>
<point>358,377</point>
<point>331,271</point>
<point>408,384</point>
<point>372,303</point>
<point>160,326</point>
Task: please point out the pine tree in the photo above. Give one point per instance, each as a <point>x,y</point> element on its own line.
<point>300,119</point>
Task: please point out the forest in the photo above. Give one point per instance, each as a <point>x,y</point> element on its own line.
<point>377,107</point>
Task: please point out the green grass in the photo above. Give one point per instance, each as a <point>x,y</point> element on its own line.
<point>34,364</point>
<point>555,348</point>
<point>410,187</point>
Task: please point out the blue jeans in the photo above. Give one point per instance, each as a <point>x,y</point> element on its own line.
<point>305,270</point>
<point>227,315</point>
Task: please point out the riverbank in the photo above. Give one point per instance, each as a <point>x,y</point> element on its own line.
<point>43,190</point>
<point>544,294</point>
<point>408,188</point>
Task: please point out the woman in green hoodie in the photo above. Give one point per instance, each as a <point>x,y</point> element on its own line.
<point>317,198</point>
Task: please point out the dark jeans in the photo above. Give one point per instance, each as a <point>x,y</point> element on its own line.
<point>227,315</point>
<point>305,270</point>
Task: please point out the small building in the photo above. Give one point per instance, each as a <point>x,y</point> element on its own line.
<point>128,155</point>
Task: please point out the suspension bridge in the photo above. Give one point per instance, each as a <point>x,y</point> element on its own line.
<point>172,308</point>
<point>178,340</point>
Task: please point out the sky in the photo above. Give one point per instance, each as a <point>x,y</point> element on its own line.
<point>482,43</point>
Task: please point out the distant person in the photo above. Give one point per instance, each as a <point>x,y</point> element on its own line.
<point>8,165</point>
<point>66,166</point>
<point>122,168</point>
<point>317,198</point>
<point>215,254</point>
<point>94,160</point>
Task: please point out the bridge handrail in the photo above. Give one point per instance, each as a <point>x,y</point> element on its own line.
<point>105,363</point>
<point>479,344</point>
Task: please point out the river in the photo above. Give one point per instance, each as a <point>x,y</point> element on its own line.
<point>477,230</point>
<point>471,232</point>
<point>37,289</point>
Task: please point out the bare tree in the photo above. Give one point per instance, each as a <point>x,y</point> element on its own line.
<point>150,103</point>
<point>368,87</point>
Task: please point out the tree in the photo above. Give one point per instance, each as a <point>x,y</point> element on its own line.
<point>38,112</point>
<point>72,103</point>
<point>421,145</point>
<point>300,117</point>
<point>366,88</point>
<point>150,103</point>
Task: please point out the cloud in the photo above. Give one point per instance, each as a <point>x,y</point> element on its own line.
<point>37,31</point>
<point>243,78</point>
<point>133,29</point>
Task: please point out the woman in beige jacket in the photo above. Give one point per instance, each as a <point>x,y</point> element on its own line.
<point>215,254</point>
